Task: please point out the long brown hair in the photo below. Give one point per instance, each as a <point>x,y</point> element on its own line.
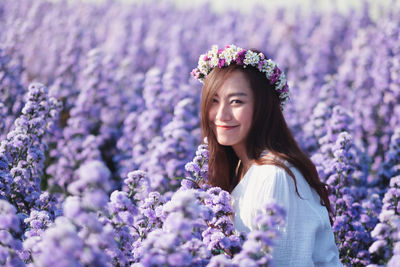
<point>268,131</point>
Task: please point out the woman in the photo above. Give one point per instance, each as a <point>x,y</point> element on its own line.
<point>254,156</point>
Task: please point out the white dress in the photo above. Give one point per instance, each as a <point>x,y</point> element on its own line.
<point>307,238</point>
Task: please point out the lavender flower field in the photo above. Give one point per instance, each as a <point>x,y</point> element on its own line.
<point>101,157</point>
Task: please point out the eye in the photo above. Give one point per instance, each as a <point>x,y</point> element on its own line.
<point>236,101</point>
<point>214,100</point>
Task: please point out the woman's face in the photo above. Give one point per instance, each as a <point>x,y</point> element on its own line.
<point>231,112</point>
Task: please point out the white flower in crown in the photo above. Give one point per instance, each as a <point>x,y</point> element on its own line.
<point>214,61</point>
<point>201,58</point>
<point>251,58</point>
<point>203,65</point>
<point>269,67</point>
<point>284,97</point>
<point>233,49</point>
<point>282,81</point>
<point>229,54</point>
<point>213,53</point>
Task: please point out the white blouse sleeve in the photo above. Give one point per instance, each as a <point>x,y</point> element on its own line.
<point>307,238</point>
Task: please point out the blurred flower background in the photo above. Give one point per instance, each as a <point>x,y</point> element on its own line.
<point>101,161</point>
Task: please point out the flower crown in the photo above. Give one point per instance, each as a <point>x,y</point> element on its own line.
<point>233,54</point>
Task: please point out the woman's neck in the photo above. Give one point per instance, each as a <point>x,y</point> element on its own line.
<point>240,151</point>
<point>244,161</point>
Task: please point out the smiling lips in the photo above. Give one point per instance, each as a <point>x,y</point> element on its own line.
<point>226,127</point>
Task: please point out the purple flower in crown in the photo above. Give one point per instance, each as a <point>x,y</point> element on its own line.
<point>285,89</point>
<point>275,76</point>
<point>261,63</point>
<point>231,54</point>
<point>221,62</point>
<point>195,73</point>
<point>240,57</point>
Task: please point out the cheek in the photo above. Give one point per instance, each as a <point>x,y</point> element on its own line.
<point>211,114</point>
<point>245,116</point>
<point>211,119</point>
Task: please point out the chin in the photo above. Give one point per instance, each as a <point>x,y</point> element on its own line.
<point>226,142</point>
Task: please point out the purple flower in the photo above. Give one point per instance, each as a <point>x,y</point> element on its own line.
<point>377,245</point>
<point>8,217</point>
<point>221,63</point>
<point>240,57</point>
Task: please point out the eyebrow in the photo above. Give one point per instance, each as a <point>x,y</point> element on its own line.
<point>235,94</point>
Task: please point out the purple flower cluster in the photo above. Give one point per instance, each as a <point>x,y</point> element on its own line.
<point>78,143</point>
<point>82,223</point>
<point>22,152</point>
<point>198,169</point>
<point>257,249</point>
<point>59,245</point>
<point>351,220</point>
<point>386,246</point>
<point>219,236</point>
<point>390,166</point>
<point>178,242</point>
<point>10,246</point>
<point>121,217</point>
<point>338,164</point>
<point>11,89</point>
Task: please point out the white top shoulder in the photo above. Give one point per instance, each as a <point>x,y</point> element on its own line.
<point>307,238</point>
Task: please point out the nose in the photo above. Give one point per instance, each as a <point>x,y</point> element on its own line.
<point>224,113</point>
